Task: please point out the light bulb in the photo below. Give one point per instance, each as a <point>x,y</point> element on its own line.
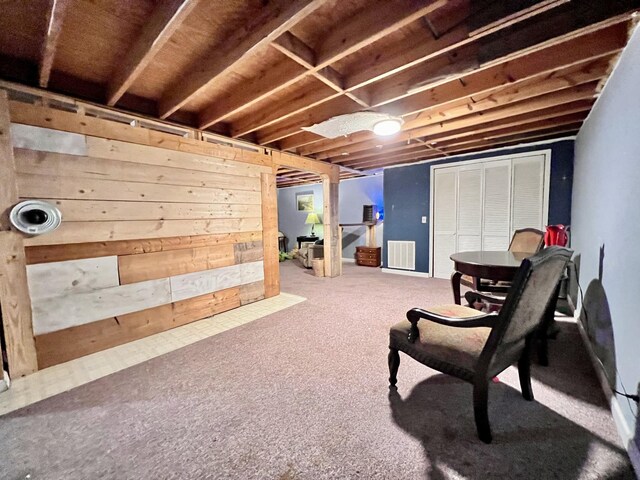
<point>387,127</point>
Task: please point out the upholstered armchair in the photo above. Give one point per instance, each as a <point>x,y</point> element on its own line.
<point>476,346</point>
<point>308,251</point>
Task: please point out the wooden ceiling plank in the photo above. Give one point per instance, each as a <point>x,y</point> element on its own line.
<point>398,156</point>
<point>567,95</point>
<point>322,111</point>
<point>568,124</point>
<point>478,146</point>
<point>297,102</point>
<point>273,80</point>
<point>419,53</point>
<point>388,161</point>
<point>519,16</point>
<point>380,19</point>
<point>562,121</point>
<point>377,21</point>
<point>561,56</point>
<point>262,30</point>
<point>55,19</point>
<point>301,53</point>
<point>579,109</point>
<point>616,24</point>
<point>378,150</point>
<point>299,140</point>
<point>584,73</point>
<point>295,49</point>
<point>162,24</point>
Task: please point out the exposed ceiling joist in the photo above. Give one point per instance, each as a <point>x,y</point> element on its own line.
<point>542,84</point>
<point>275,19</point>
<point>447,147</point>
<point>545,57</point>
<point>167,17</point>
<point>55,18</point>
<point>567,95</point>
<point>462,74</point>
<point>378,19</point>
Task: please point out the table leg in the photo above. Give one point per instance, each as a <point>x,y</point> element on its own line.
<point>455,286</point>
<point>546,327</point>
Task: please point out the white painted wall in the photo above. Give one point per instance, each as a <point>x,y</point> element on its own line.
<point>606,211</point>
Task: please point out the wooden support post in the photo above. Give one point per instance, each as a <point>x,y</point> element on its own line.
<point>270,235</point>
<point>332,246</point>
<point>15,304</point>
<point>341,231</point>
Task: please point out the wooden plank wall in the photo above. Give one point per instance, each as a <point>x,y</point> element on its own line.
<point>15,306</point>
<point>151,238</point>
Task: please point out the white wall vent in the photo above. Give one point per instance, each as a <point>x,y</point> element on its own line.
<point>402,255</point>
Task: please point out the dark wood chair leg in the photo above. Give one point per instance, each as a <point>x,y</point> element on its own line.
<point>455,286</point>
<point>481,409</point>
<point>524,371</point>
<point>394,363</point>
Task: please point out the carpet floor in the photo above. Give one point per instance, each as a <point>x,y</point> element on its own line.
<point>303,394</point>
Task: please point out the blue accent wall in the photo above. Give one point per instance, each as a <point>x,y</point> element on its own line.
<point>407,195</point>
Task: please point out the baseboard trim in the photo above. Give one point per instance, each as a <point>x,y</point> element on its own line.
<point>409,273</point>
<point>625,432</point>
<point>348,260</point>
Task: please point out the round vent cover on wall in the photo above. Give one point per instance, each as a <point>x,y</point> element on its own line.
<point>35,217</point>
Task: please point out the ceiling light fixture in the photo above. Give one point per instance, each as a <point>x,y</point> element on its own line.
<point>387,127</point>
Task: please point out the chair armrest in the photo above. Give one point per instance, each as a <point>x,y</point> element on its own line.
<point>473,296</point>
<point>415,314</point>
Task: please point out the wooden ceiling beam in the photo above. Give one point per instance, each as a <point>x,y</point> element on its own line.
<point>274,19</point>
<point>380,19</point>
<point>512,140</point>
<point>55,17</point>
<point>167,17</point>
<point>413,144</point>
<point>532,88</point>
<point>454,148</point>
<point>396,60</point>
<point>298,140</point>
<point>464,56</point>
<point>399,160</point>
<point>267,83</point>
<point>581,107</point>
<point>538,64</point>
<point>396,99</point>
<point>437,74</point>
<point>567,95</point>
<point>473,146</point>
<point>303,54</point>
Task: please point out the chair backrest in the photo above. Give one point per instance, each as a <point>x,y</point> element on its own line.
<point>527,240</point>
<point>533,288</point>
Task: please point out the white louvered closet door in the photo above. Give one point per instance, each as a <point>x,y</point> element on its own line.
<point>496,228</point>
<point>527,202</point>
<point>470,202</point>
<point>445,220</point>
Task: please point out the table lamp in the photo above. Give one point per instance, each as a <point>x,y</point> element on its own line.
<point>312,219</point>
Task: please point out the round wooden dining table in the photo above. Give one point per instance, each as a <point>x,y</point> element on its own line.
<point>497,266</point>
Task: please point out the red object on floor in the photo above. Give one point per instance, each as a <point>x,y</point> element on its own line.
<point>495,380</point>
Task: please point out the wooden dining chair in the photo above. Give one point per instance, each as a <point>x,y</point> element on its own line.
<point>475,346</point>
<point>525,240</point>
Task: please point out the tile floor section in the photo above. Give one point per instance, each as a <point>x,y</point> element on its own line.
<point>65,376</point>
